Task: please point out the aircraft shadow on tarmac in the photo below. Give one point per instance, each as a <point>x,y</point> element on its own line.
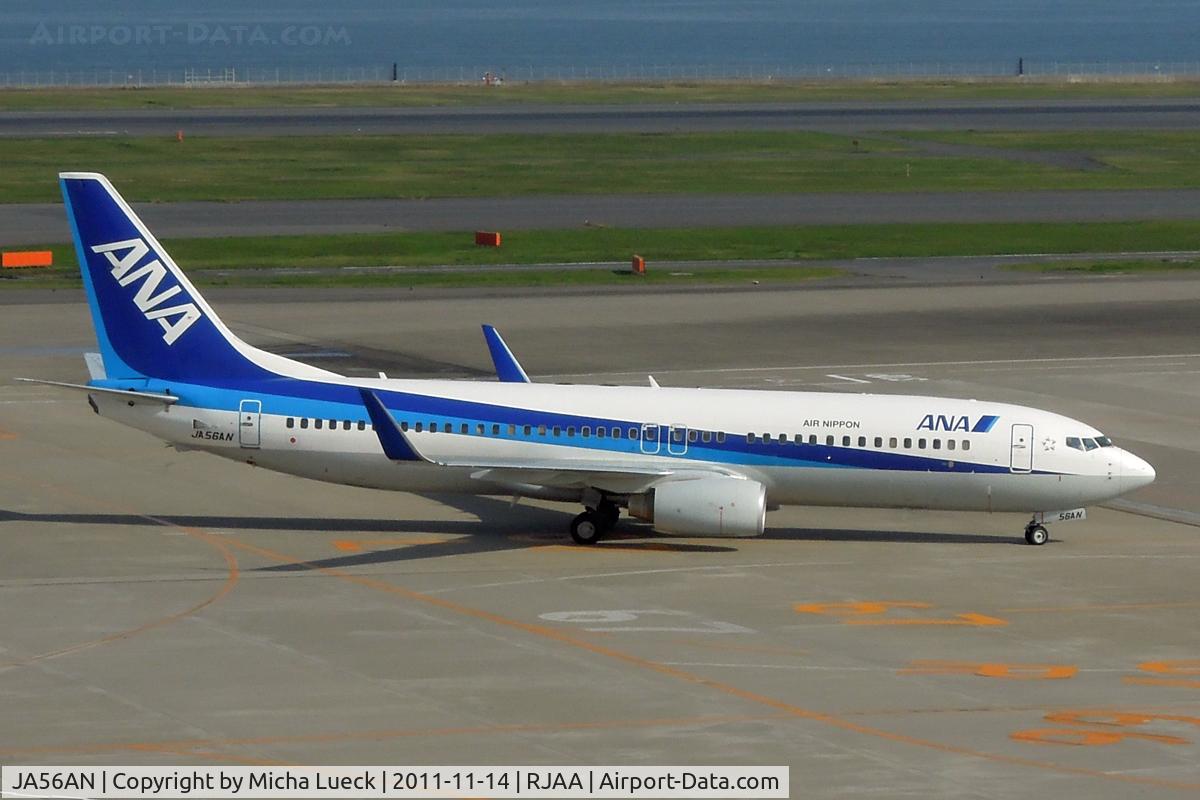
<point>498,526</point>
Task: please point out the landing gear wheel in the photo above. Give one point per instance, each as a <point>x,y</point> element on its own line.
<point>1036,534</point>
<point>587,528</point>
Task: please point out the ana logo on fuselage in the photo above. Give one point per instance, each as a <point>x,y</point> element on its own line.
<point>176,319</point>
<point>952,422</point>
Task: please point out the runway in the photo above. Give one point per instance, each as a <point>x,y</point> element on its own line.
<point>39,223</point>
<point>168,608</point>
<point>848,117</point>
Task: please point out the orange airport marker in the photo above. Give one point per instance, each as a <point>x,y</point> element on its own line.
<point>27,258</point>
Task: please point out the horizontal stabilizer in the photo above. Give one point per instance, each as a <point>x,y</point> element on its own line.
<point>132,394</point>
<point>395,444</point>
<point>508,369</point>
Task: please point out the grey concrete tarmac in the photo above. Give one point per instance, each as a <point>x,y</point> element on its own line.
<point>172,608</point>
<point>1126,114</point>
<point>39,223</point>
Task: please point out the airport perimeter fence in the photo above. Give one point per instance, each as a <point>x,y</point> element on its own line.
<point>631,73</point>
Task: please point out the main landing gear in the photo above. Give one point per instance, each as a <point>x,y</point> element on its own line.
<point>1036,533</point>
<point>590,526</point>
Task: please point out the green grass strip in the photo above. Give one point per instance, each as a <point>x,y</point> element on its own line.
<point>589,92</point>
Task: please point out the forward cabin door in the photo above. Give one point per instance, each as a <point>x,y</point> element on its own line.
<point>1021,449</point>
<point>249,419</point>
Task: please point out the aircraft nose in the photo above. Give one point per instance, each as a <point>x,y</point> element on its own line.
<point>1136,472</point>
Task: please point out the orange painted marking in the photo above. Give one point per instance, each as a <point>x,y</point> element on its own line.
<point>1027,672</point>
<point>1180,682</point>
<point>1118,719</point>
<point>1082,737</point>
<point>860,608</point>
<point>358,545</point>
<point>871,612</point>
<point>27,258</point>
<point>7,436</point>
<point>970,620</point>
<point>1185,666</point>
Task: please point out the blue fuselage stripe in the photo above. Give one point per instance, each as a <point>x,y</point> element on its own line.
<point>292,397</point>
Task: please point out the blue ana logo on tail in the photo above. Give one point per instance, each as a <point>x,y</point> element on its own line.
<point>124,256</point>
<point>943,422</point>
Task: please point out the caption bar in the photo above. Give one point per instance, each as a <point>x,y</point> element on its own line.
<point>404,782</point>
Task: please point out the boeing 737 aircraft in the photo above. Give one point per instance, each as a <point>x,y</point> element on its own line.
<point>693,462</point>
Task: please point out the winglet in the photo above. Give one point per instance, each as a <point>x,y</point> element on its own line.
<point>395,444</point>
<point>508,369</point>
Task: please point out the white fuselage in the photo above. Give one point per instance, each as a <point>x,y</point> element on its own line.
<point>805,448</point>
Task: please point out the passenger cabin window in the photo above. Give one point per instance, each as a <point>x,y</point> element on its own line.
<point>404,425</point>
<point>601,432</point>
<point>879,441</point>
<point>541,430</point>
<point>304,422</point>
<point>812,438</point>
<point>766,438</point>
<point>291,422</point>
<point>495,429</point>
<point>750,438</point>
<point>862,441</point>
<point>317,423</point>
<point>950,444</point>
<point>706,437</point>
<point>892,442</point>
<point>720,437</point>
<point>845,441</point>
<point>692,436</point>
<point>937,444</point>
<point>512,430</point>
<point>966,444</point>
<point>419,427</point>
<point>528,429</point>
<point>829,441</point>
<point>920,444</point>
<point>557,431</point>
<point>585,431</point>
<point>907,443</point>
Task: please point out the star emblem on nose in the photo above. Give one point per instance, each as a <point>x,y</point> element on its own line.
<point>1048,445</point>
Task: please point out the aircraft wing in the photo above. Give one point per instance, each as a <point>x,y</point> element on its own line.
<point>615,475</point>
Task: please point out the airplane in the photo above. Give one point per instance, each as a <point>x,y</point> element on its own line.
<point>691,461</point>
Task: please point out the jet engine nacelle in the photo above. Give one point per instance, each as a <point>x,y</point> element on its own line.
<point>704,507</point>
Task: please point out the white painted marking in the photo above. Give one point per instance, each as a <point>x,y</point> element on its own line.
<point>894,377</point>
<point>631,615</point>
<point>630,573</point>
<point>844,378</point>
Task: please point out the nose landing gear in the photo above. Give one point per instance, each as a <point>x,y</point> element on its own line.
<point>1036,534</point>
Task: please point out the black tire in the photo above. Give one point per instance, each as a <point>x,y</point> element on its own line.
<point>587,528</point>
<point>1037,535</point>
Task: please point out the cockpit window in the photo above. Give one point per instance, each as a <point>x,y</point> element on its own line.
<point>1104,441</point>
<point>1090,444</point>
<point>1073,441</point>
